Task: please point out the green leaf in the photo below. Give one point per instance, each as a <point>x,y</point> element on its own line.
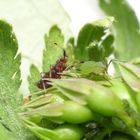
<point>10,81</point>
<point>107,44</point>
<point>133,68</point>
<point>42,133</point>
<point>4,133</point>
<point>38,101</point>
<point>95,52</point>
<point>54,48</point>
<point>72,95</point>
<point>98,51</point>
<point>33,78</point>
<point>127,36</point>
<point>9,63</point>
<point>92,67</point>
<point>124,92</point>
<point>129,76</point>
<point>90,39</point>
<point>70,50</point>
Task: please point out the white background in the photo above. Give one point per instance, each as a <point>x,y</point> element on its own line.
<point>82,11</point>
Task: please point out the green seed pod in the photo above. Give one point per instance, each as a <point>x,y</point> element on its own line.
<point>31,109</point>
<point>69,132</point>
<point>44,99</point>
<point>76,113</point>
<point>100,99</point>
<point>68,111</point>
<point>104,101</point>
<point>33,118</point>
<point>63,132</point>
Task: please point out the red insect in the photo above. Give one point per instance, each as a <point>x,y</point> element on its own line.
<point>55,72</point>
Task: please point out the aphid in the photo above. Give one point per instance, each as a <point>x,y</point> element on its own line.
<point>55,72</point>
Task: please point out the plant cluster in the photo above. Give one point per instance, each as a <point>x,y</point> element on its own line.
<point>74,97</point>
